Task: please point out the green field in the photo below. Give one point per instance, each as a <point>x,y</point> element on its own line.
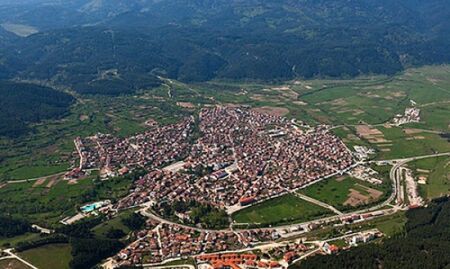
<point>13,241</point>
<point>438,176</point>
<point>335,191</point>
<point>114,223</point>
<point>285,209</point>
<point>389,225</point>
<point>12,264</point>
<point>56,256</point>
<point>46,206</point>
<point>408,145</point>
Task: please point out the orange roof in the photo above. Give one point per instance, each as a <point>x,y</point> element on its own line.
<point>274,264</point>
<point>249,256</point>
<point>247,199</point>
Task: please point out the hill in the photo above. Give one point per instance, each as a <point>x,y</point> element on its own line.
<point>80,41</point>
<point>216,39</point>
<point>21,104</point>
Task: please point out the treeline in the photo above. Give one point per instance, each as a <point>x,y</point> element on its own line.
<point>197,214</point>
<point>46,240</point>
<point>87,249</point>
<point>22,104</point>
<point>10,227</point>
<point>425,244</point>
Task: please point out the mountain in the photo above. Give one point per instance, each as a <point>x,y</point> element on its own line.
<point>197,40</point>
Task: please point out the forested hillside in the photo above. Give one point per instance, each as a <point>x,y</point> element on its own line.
<point>81,41</point>
<point>21,104</point>
<point>425,245</point>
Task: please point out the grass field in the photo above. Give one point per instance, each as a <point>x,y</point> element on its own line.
<point>389,225</point>
<point>284,209</point>
<point>13,241</point>
<point>12,264</point>
<point>46,205</point>
<point>437,172</point>
<point>398,142</point>
<point>56,256</point>
<point>408,145</point>
<point>336,191</point>
<point>115,223</point>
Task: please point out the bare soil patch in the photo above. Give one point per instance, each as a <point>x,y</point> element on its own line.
<point>274,111</point>
<point>38,182</point>
<point>356,198</point>
<point>412,131</point>
<point>365,130</point>
<point>300,103</point>
<point>185,104</point>
<point>84,117</point>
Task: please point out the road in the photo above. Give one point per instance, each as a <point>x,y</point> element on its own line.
<point>11,254</point>
<point>317,202</point>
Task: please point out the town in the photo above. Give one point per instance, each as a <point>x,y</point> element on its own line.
<point>227,158</point>
<point>241,157</point>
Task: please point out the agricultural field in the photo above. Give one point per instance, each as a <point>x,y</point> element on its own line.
<point>345,193</point>
<point>285,209</point>
<point>46,202</point>
<point>394,142</point>
<point>434,176</point>
<point>56,256</point>
<point>49,149</point>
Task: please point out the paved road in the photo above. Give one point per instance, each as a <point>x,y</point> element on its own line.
<point>10,253</point>
<point>317,202</point>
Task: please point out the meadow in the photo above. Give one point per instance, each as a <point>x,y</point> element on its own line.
<point>55,256</point>
<point>437,174</point>
<point>336,191</point>
<point>52,200</point>
<point>281,210</point>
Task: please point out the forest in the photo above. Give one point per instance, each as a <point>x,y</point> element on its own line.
<point>202,40</point>
<point>22,104</point>
<point>10,227</point>
<point>424,244</point>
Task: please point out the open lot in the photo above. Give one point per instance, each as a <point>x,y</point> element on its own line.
<point>56,256</point>
<point>344,192</point>
<point>114,223</point>
<point>284,209</point>
<point>13,241</point>
<point>12,264</point>
<point>436,172</point>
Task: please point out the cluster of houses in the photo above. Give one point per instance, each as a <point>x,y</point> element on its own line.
<point>367,174</point>
<point>412,114</point>
<point>152,149</point>
<point>160,242</point>
<point>240,161</point>
<point>169,241</point>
